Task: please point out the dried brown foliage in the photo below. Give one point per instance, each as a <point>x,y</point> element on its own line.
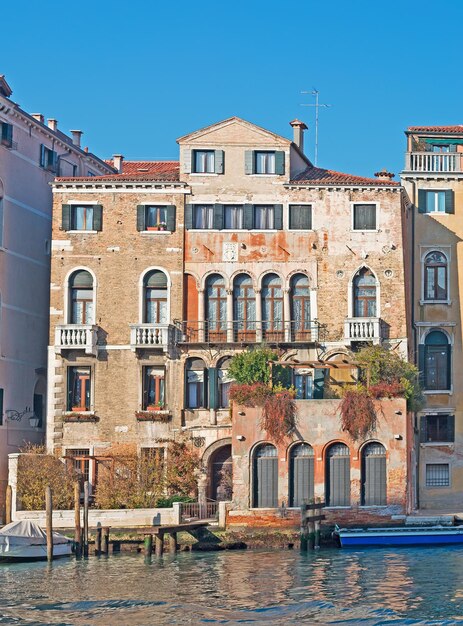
<point>279,415</point>
<point>358,413</point>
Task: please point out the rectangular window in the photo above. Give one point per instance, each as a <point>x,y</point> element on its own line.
<point>203,216</point>
<point>48,159</point>
<point>153,388</point>
<point>303,384</point>
<point>435,202</point>
<point>437,475</point>
<point>6,134</point>
<point>437,368</point>
<point>438,428</point>
<point>81,217</point>
<point>155,217</point>
<point>233,217</point>
<point>264,162</point>
<point>204,161</point>
<point>300,217</point>
<point>79,381</point>
<point>264,217</point>
<point>364,216</point>
<point>195,384</point>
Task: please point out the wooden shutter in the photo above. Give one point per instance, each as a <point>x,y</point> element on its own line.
<point>187,156</point>
<point>65,217</point>
<point>422,200</point>
<point>219,161</point>
<point>421,363</point>
<point>267,482</point>
<point>318,383</point>
<point>42,155</point>
<point>279,162</point>
<point>97,217</point>
<point>303,480</point>
<point>248,221</point>
<point>451,427</point>
<point>249,162</point>
<point>449,201</point>
<point>213,387</point>
<point>423,424</point>
<point>141,217</point>
<point>278,216</point>
<point>7,134</point>
<point>170,219</point>
<point>339,481</point>
<point>218,217</point>
<point>1,407</point>
<point>188,216</point>
<point>375,480</point>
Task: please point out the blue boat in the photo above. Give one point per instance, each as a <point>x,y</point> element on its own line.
<point>400,536</point>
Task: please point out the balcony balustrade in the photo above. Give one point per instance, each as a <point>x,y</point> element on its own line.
<point>362,329</point>
<point>248,331</point>
<point>153,336</point>
<point>434,162</point>
<point>76,337</point>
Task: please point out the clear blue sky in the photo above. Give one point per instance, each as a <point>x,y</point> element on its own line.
<point>136,75</point>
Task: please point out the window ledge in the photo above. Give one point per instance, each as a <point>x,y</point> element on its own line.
<point>204,174</point>
<point>435,392</point>
<point>422,302</point>
<point>434,213</point>
<point>431,444</point>
<point>365,230</point>
<point>264,175</point>
<point>302,230</point>
<point>86,413</point>
<point>373,506</point>
<point>82,232</point>
<point>155,232</point>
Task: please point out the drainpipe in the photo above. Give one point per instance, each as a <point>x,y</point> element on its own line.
<point>415,346</point>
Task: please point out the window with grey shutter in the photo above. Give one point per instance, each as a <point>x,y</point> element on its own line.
<point>278,216</point>
<point>364,217</point>
<point>141,217</point>
<point>374,477</point>
<point>248,216</point>
<point>338,475</point>
<point>279,162</point>
<point>170,218</point>
<point>6,134</point>
<point>97,217</point>
<point>219,161</point>
<point>66,217</point>
<point>300,217</point>
<point>188,216</point>
<point>449,201</point>
<point>186,162</point>
<point>265,477</point>
<point>249,162</point>
<point>218,216</point>
<point>301,474</point>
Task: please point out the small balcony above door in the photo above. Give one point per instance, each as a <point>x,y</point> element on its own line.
<point>76,337</point>
<point>153,336</point>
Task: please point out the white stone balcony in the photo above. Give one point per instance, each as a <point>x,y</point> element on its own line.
<point>76,337</point>
<point>152,336</point>
<point>362,329</point>
<point>434,162</point>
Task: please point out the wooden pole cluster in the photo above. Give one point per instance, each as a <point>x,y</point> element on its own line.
<point>85,533</point>
<point>77,529</point>
<point>49,518</point>
<point>311,517</point>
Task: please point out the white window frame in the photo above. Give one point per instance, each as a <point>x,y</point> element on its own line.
<point>437,190</point>
<point>141,294</point>
<point>368,230</point>
<point>67,292</point>
<point>446,250</point>
<point>80,232</point>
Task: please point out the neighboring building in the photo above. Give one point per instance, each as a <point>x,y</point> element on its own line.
<point>433,177</point>
<point>31,155</point>
<point>259,247</point>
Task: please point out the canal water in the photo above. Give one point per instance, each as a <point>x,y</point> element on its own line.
<point>365,587</point>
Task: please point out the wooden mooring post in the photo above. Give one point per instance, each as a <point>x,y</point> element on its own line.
<point>98,538</point>
<point>85,533</point>
<point>159,544</point>
<point>77,529</point>
<point>148,546</point>
<point>173,542</point>
<point>49,518</point>
<point>311,517</point>
<point>8,504</point>
<point>105,542</point>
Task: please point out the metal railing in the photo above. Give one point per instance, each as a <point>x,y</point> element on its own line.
<point>160,336</point>
<point>76,337</point>
<point>362,329</point>
<point>196,511</point>
<point>433,162</point>
<point>249,331</point>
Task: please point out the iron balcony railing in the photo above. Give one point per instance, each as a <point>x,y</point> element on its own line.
<point>76,337</point>
<point>249,331</point>
<point>190,511</point>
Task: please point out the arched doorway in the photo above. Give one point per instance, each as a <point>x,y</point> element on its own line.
<point>265,476</point>
<point>374,477</point>
<point>301,474</point>
<point>338,475</point>
<point>221,476</point>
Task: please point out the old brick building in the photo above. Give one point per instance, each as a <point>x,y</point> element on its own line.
<point>247,243</point>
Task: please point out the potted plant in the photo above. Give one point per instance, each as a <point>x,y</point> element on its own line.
<point>158,406</point>
<point>162,226</point>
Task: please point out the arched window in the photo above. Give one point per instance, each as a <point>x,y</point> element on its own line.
<point>221,474</point>
<point>301,468</point>
<point>436,361</point>
<point>272,308</point>
<point>373,475</point>
<point>244,308</point>
<point>338,475</point>
<point>216,308</point>
<point>435,276</point>
<point>196,384</point>
<point>364,293</point>
<point>300,308</point>
<point>155,298</point>
<point>81,298</point>
<point>223,382</point>
<point>265,475</point>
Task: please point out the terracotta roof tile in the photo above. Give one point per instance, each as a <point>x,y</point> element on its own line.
<point>451,130</point>
<point>318,176</point>
<point>158,171</point>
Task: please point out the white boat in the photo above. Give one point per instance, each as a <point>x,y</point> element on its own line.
<point>25,540</point>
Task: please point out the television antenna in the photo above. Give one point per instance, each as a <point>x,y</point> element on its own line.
<point>317,106</point>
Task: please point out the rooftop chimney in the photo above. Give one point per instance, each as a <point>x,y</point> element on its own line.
<point>384,175</point>
<point>118,159</point>
<point>298,133</point>
<point>76,137</point>
<point>39,117</point>
<point>53,124</point>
